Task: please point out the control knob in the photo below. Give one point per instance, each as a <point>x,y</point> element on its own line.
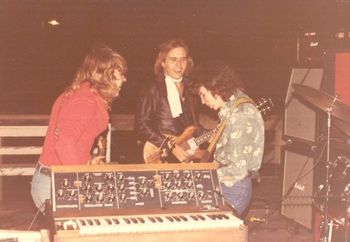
<point>60,193</point>
<point>65,183</point>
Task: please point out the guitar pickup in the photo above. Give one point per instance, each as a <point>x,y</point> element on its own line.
<point>193,145</point>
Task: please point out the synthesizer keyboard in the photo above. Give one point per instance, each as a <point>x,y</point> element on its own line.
<point>145,202</point>
<point>148,223</point>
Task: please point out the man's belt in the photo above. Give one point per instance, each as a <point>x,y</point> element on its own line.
<point>45,170</point>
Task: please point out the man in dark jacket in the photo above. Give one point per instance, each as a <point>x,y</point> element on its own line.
<point>165,108</point>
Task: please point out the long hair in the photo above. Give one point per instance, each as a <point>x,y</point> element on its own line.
<point>102,60</point>
<point>164,49</point>
<point>216,77</point>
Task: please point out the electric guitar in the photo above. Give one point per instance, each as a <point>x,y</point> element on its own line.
<point>154,154</point>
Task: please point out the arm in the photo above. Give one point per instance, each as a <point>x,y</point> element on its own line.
<point>145,123</point>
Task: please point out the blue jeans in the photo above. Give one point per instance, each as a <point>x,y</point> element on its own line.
<point>239,195</point>
<point>41,189</point>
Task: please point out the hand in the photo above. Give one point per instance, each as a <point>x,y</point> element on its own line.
<point>97,160</point>
<point>180,153</point>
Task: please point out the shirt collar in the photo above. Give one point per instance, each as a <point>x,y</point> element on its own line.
<point>225,110</point>
<point>172,79</point>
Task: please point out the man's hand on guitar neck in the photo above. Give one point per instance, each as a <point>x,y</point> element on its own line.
<point>180,153</point>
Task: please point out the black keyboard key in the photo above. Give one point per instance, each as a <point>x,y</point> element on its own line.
<point>141,220</point>
<point>177,218</point>
<point>159,219</point>
<point>127,220</point>
<point>108,221</point>
<point>134,220</point>
<point>116,221</point>
<point>170,218</point>
<point>225,216</point>
<point>89,221</point>
<point>152,219</point>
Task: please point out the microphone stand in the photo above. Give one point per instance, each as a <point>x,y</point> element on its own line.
<point>346,223</point>
<point>326,225</point>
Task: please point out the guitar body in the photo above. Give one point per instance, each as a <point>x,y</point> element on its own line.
<point>151,152</point>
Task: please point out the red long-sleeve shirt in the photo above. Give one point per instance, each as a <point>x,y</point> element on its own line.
<point>76,120</point>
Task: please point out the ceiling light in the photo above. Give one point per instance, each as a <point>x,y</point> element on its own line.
<point>53,22</point>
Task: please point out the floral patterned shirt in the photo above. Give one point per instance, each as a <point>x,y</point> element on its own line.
<point>241,145</point>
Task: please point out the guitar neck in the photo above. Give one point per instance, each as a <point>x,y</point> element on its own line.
<point>205,136</point>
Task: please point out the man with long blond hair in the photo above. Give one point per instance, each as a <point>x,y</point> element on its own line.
<point>165,108</point>
<point>78,116</point>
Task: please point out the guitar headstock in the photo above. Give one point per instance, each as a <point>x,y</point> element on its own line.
<point>264,105</point>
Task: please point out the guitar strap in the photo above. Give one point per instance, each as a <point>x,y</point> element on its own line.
<point>222,125</point>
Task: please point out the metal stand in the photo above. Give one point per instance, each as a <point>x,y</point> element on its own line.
<point>346,223</point>
<point>326,237</point>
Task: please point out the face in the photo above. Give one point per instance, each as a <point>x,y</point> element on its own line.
<point>175,63</point>
<point>214,102</point>
<point>119,80</point>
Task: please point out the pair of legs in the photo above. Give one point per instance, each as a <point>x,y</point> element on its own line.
<point>239,195</point>
<point>40,190</point>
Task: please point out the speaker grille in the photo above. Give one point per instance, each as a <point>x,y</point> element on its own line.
<point>299,118</point>
<point>297,188</point>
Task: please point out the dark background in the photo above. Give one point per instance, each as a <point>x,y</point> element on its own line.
<point>258,38</point>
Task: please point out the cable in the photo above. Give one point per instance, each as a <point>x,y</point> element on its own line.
<point>234,211</point>
<point>300,175</point>
<point>35,216</point>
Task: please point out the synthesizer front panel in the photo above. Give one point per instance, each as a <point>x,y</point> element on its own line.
<point>129,187</point>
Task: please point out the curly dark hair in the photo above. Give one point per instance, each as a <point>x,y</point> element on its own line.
<point>217,77</point>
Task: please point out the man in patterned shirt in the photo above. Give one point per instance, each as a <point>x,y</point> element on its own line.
<point>239,149</point>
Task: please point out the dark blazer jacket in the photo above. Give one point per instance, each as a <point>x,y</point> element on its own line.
<point>153,116</point>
